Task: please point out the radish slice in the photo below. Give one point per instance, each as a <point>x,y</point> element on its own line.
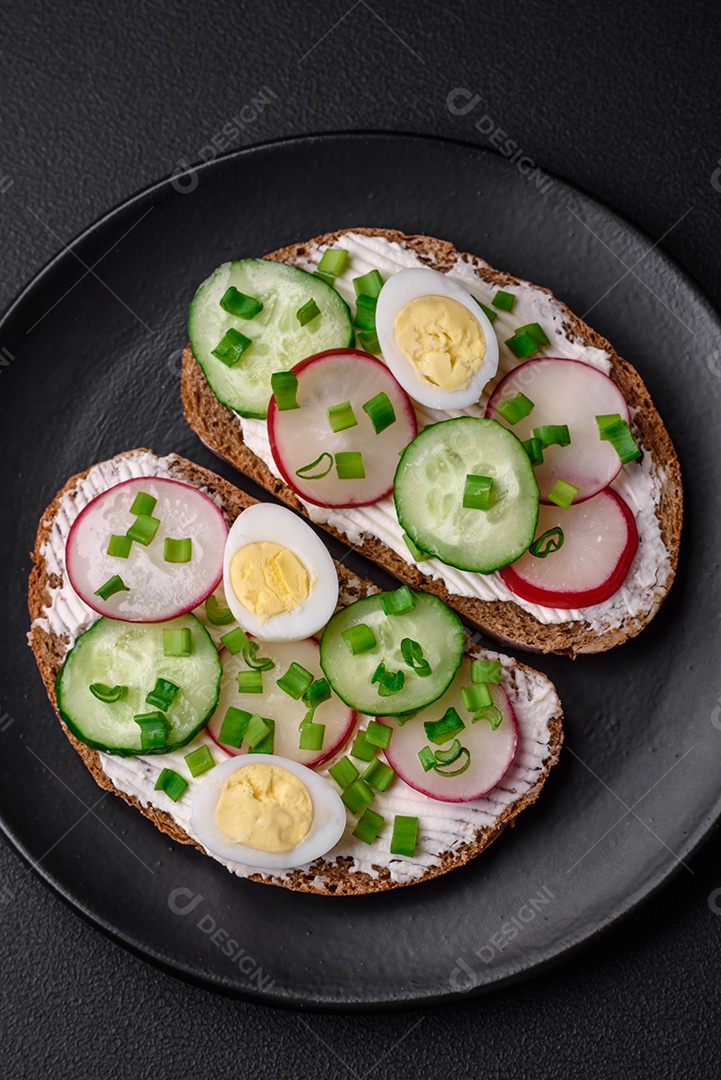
<point>156,590</point>
<point>572,393</point>
<point>491,751</point>
<point>300,436</point>
<point>600,542</point>
<point>275,704</point>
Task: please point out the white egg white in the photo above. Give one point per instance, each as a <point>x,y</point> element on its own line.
<point>328,825</point>
<point>276,524</point>
<point>401,289</point>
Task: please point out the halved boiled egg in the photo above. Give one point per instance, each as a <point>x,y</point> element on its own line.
<point>279,579</point>
<point>435,338</point>
<point>266,811</point>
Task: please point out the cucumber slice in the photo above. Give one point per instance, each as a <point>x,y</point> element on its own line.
<point>131,654</point>
<point>278,339</point>
<point>428,493</point>
<point>431,623</point>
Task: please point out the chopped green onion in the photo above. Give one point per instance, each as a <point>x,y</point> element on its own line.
<point>344,772</point>
<point>455,772</point>
<point>369,284</point>
<point>516,408</point>
<point>178,551</point>
<point>477,492</point>
<point>389,682</point>
<point>398,601</point>
<point>447,757</point>
<point>239,304</point>
<point>427,758</point>
<point>332,262</point>
<point>368,341</point>
<point>250,655</point>
<point>476,697</point>
<point>177,642</point>
<point>445,729</point>
<point>143,529</point>
<point>412,654</point>
<point>154,728</point>
<point>381,411</point>
<point>553,435</point>
<point>341,416</point>
<point>250,682</point>
<point>357,796</point>
<point>284,385</point>
<point>311,737</point>
<point>163,694</point>
<point>486,671</point>
<point>365,313</point>
<point>503,300</point>
<point>305,472</point>
<point>113,585</point>
<point>405,833</point>
<point>360,638</point>
<point>199,761</point>
<point>307,312</point>
<point>119,546</point>
<point>143,504</point>
<point>234,640</point>
<point>231,347</point>
<point>172,783</point>
<point>563,493</point>
<point>623,442</point>
<point>605,421</point>
<point>534,449</point>
<point>416,553</point>
<point>233,728</point>
<point>257,730</point>
<point>369,825</point>
<point>491,713</point>
<point>296,681</point>
<point>536,331</point>
<point>378,775</point>
<point>349,465</point>
<point>108,694</point>
<point>329,279</point>
<point>217,615</point>
<point>404,717</point>
<point>378,734</point>
<point>361,748</point>
<point>265,746</point>
<point>549,541</point>
<point>522,345</point>
<point>490,314</point>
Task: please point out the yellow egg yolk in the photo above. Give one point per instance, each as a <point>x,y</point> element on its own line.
<point>441,340</point>
<point>264,807</point>
<point>268,579</point>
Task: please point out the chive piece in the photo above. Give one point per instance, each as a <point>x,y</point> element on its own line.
<point>344,772</point>
<point>553,435</point>
<point>536,331</point>
<point>341,416</point>
<point>307,312</point>
<point>217,615</point>
<point>329,279</point>
<point>296,681</point>
<point>447,757</point>
<point>378,775</point>
<point>332,262</point>
<point>178,551</point>
<point>265,746</point>
<point>143,504</point>
<point>357,796</point>
<point>486,671</point>
<point>477,492</point>
<point>349,465</point>
<point>311,737</point>
<point>360,638</point>
<point>445,729</point>
<point>108,694</point>
<point>113,585</point>
<point>412,654</point>
<point>177,641</point>
<point>231,347</point>
<point>427,758</point>
<point>143,529</point>
<point>476,697</point>
<point>163,694</point>
<point>504,301</point>
<point>381,412</point>
<point>362,749</point>
<point>119,546</point>
<point>284,385</point>
<point>563,493</point>
<point>369,284</point>
<point>491,713</point>
<point>522,345</point>
<point>258,663</point>
<point>623,442</point>
<point>305,471</point>
<point>232,730</point>
<point>389,682</point>
<point>443,771</point>
<point>534,449</point>
<point>239,304</point>
<point>368,341</point>
<point>199,761</point>
<point>547,542</point>
<point>234,640</point>
<point>515,409</point>
<point>365,313</point>
<point>315,695</point>
<point>398,602</point>
<point>378,734</point>
<point>490,314</point>
<point>256,730</point>
<point>605,421</point>
<point>369,825</point>
<point>250,682</point>
<point>405,833</point>
<point>172,783</point>
<point>416,553</point>
<point>404,717</point>
<point>154,728</point>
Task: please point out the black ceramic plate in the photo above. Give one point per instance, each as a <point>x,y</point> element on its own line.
<point>90,368</point>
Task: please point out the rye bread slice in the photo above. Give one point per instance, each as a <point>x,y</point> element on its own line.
<point>507,622</point>
<point>323,877</point>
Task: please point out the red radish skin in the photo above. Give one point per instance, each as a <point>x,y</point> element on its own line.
<point>621,536</point>
<point>294,435</point>
<point>163,590</point>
